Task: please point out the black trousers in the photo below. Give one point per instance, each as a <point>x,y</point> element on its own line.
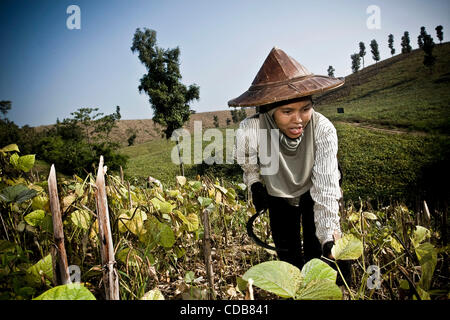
<point>285,225</point>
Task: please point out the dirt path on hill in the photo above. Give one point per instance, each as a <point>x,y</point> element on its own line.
<point>391,131</point>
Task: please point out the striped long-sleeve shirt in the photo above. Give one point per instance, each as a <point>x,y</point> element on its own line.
<point>325,190</point>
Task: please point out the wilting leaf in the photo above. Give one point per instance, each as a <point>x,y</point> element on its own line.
<point>35,218</point>
<point>370,215</point>
<point>347,248</point>
<point>10,148</point>
<point>181,180</point>
<point>222,189</point>
<point>321,289</point>
<point>68,200</point>
<point>278,277</point>
<point>132,220</point>
<point>420,234</point>
<point>67,292</point>
<point>43,268</point>
<point>129,256</point>
<point>395,244</point>
<point>190,221</point>
<point>40,202</point>
<point>81,219</point>
<point>153,294</point>
<point>17,193</point>
<point>189,277</point>
<point>162,206</point>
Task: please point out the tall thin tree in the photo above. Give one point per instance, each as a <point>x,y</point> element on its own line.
<point>331,71</point>
<point>406,46</point>
<point>391,43</point>
<point>375,52</point>
<point>362,51</point>
<point>439,33</point>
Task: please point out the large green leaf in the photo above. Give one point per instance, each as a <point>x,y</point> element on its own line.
<point>427,255</point>
<point>204,202</point>
<point>25,163</point>
<point>316,269</point>
<point>35,218</point>
<point>17,193</point>
<point>163,206</point>
<point>278,277</point>
<point>67,292</point>
<point>190,221</point>
<point>81,219</point>
<point>10,148</point>
<point>347,248</point>
<point>420,234</point>
<point>166,236</point>
<point>320,289</point>
<point>42,269</point>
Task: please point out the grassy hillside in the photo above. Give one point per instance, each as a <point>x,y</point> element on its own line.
<point>398,93</point>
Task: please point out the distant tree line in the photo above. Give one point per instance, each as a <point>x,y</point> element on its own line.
<point>73,145</point>
<point>424,41</point>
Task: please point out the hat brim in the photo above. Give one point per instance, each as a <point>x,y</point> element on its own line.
<point>267,94</point>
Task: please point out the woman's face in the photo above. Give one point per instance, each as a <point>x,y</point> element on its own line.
<point>292,118</point>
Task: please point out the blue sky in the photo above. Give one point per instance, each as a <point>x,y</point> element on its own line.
<point>49,71</point>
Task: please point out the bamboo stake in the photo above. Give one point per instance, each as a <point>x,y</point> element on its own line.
<point>110,276</point>
<point>207,253</point>
<point>61,269</point>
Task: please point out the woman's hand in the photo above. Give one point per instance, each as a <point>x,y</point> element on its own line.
<point>259,196</point>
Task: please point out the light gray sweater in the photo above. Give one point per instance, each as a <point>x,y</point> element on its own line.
<point>325,190</point>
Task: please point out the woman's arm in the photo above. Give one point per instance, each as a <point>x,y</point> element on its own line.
<point>325,178</point>
<point>246,150</point>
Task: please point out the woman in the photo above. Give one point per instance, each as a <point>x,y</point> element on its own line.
<point>305,187</point>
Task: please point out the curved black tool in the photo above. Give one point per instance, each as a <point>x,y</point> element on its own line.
<point>257,240</point>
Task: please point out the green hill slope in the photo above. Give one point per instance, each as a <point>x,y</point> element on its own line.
<point>398,93</point>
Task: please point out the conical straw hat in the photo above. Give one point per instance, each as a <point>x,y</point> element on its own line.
<point>281,78</point>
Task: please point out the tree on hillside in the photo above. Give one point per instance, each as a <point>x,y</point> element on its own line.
<point>331,71</point>
<point>421,37</point>
<point>5,106</point>
<point>168,97</point>
<point>428,45</point>
<point>374,50</point>
<point>391,44</point>
<point>356,62</point>
<point>406,47</point>
<point>439,33</point>
<point>362,51</point>
<point>216,121</point>
<point>84,118</point>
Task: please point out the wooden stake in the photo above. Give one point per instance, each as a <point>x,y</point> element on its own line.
<point>110,276</point>
<point>61,269</point>
<point>121,174</point>
<point>207,253</point>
